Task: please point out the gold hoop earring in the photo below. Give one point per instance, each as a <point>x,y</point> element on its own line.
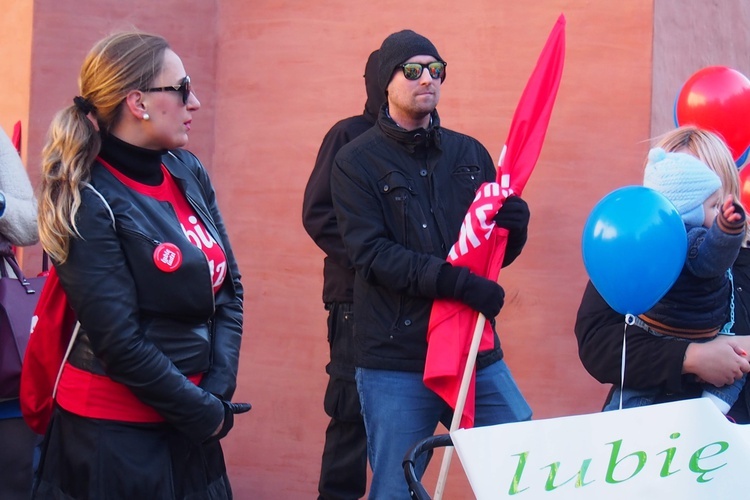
<point>146,116</point>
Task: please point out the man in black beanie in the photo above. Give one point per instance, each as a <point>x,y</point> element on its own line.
<point>343,470</point>
<point>400,192</point>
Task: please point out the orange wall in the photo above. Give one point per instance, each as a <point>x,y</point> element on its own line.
<point>274,76</point>
<point>15,63</point>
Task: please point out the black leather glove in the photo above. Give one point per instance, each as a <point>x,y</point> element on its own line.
<point>481,294</point>
<point>513,215</point>
<point>230,410</point>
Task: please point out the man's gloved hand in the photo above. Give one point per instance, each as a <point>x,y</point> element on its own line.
<point>481,294</point>
<point>230,410</point>
<point>513,215</point>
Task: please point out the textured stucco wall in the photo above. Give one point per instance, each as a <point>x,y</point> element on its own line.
<point>690,35</point>
<point>15,63</point>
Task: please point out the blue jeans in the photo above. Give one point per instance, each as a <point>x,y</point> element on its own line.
<point>728,393</point>
<point>632,398</point>
<point>399,411</point>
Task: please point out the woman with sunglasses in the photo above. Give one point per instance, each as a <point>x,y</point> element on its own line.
<point>133,228</point>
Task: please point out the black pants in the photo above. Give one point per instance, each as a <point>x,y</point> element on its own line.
<point>17,443</point>
<point>343,472</point>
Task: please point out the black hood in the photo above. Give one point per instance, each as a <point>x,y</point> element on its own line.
<point>375,95</point>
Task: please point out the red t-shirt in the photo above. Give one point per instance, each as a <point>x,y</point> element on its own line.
<point>194,230</point>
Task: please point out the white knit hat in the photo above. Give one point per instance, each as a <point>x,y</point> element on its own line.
<point>684,180</point>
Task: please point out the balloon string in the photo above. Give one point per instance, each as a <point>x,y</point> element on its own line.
<point>629,320</point>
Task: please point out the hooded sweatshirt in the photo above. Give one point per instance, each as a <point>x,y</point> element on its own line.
<point>318,216</point>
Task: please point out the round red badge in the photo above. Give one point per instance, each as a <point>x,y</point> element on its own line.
<point>167,257</point>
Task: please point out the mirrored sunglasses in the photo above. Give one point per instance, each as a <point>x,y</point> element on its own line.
<point>414,70</point>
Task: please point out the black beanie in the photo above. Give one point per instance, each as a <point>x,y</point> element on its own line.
<point>399,48</point>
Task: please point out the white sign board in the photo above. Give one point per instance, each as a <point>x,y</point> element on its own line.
<point>684,450</point>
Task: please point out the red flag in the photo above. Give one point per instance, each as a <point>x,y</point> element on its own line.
<point>16,140</point>
<point>481,245</point>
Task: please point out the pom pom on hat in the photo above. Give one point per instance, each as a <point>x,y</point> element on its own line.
<point>684,180</point>
<point>398,48</point>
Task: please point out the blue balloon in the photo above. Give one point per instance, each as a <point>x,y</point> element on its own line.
<point>634,247</point>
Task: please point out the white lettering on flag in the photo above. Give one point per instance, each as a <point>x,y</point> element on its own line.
<point>478,222</point>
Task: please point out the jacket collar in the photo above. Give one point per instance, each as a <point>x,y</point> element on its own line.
<point>190,185</point>
<point>411,139</point>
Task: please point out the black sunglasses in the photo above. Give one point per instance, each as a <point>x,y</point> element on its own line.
<point>184,87</point>
<point>414,70</point>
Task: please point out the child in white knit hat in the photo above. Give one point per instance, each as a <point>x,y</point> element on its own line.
<point>698,306</point>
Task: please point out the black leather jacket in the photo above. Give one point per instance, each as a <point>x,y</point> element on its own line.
<point>146,328</point>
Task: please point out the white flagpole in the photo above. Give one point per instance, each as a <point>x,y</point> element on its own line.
<point>460,402</point>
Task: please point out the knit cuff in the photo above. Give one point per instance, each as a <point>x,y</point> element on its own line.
<point>733,227</point>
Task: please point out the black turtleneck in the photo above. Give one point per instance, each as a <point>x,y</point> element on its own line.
<point>140,164</point>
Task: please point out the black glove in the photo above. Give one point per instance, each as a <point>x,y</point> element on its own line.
<point>481,294</point>
<point>230,410</point>
<point>513,215</point>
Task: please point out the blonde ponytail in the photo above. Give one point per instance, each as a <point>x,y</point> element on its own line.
<point>72,144</point>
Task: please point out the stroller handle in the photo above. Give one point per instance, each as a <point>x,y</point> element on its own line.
<point>416,490</point>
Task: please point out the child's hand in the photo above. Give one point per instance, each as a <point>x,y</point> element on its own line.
<point>729,212</point>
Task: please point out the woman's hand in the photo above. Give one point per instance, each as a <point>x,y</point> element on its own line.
<point>719,362</point>
<point>230,410</point>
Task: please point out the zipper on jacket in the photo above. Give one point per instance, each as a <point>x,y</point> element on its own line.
<point>445,239</point>
<point>141,236</point>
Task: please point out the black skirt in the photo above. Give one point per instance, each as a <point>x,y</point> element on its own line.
<point>91,459</point>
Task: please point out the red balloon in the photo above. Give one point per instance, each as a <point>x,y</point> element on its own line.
<point>717,98</point>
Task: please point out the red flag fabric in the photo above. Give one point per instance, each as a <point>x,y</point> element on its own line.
<point>481,245</point>
<point>16,140</point>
